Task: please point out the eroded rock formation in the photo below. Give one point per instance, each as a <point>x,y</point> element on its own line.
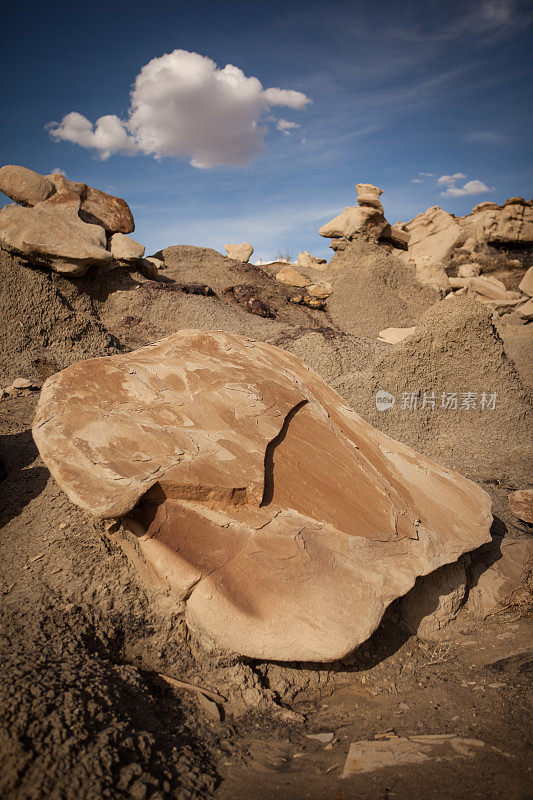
<point>63,225</point>
<point>285,522</point>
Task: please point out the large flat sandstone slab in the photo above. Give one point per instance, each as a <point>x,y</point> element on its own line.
<point>284,521</point>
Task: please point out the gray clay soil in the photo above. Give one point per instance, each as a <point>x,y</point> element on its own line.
<point>84,640</point>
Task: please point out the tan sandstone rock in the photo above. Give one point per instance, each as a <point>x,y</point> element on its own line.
<point>368,195</point>
<point>24,186</point>
<point>319,290</point>
<point>521,504</point>
<point>284,521</point>
<point>52,234</point>
<point>240,252</point>
<point>526,284</point>
<point>434,236</point>
<point>509,224</point>
<point>469,270</point>
<point>307,261</point>
<point>354,220</point>
<point>292,277</point>
<point>498,577</point>
<point>526,311</point>
<point>125,249</point>
<point>395,335</point>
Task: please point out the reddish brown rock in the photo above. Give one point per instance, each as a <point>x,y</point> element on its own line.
<point>112,213</point>
<point>285,522</point>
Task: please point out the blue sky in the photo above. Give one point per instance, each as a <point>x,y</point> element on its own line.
<point>398,95</point>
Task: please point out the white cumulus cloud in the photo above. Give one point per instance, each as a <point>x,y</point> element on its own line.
<point>450,180</point>
<point>182,105</point>
<point>285,126</point>
<point>468,188</point>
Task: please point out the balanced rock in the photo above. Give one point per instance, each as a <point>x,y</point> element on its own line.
<point>51,234</point>
<point>283,521</point>
<point>368,195</point>
<point>292,277</point>
<point>307,261</point>
<point>125,249</point>
<point>24,186</point>
<point>112,213</point>
<point>240,252</point>
<point>355,220</point>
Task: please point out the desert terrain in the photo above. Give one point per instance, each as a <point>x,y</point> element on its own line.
<point>266,530</point>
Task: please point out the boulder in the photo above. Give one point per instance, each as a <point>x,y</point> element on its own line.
<point>526,284</point>
<point>355,220</point>
<point>497,577</point>
<point>521,504</point>
<point>319,290</point>
<point>526,311</point>
<point>469,270</point>
<point>291,277</point>
<point>51,234</point>
<point>125,249</point>
<point>240,252</point>
<point>112,213</point>
<point>25,186</point>
<point>434,236</point>
<point>488,287</point>
<point>307,261</point>
<point>282,520</point>
<point>395,335</point>
<point>62,184</point>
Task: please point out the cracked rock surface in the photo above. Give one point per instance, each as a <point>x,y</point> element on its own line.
<point>284,521</point>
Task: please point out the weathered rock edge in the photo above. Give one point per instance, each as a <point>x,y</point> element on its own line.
<point>284,521</point>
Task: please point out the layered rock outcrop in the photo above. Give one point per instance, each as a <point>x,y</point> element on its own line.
<point>283,521</point>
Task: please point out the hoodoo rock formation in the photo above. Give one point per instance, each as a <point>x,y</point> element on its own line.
<point>284,521</point>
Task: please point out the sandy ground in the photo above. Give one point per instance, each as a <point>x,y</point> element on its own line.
<point>84,640</point>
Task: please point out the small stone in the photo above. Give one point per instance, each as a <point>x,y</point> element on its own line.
<point>21,383</point>
<point>126,249</point>
<point>291,277</point>
<point>319,290</point>
<point>521,504</point>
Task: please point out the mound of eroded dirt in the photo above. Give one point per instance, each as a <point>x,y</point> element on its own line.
<point>455,350</point>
